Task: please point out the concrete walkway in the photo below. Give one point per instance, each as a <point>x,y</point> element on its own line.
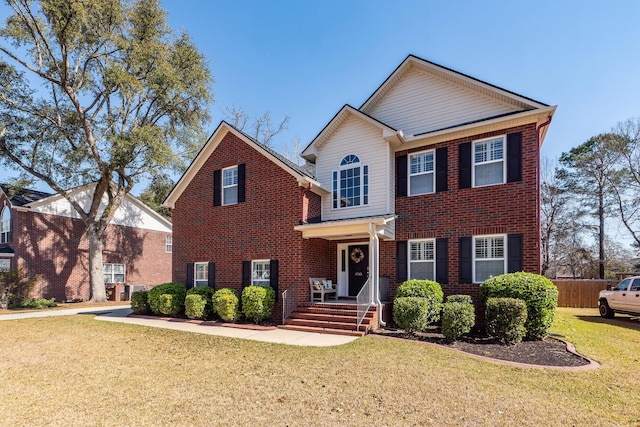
<point>120,314</point>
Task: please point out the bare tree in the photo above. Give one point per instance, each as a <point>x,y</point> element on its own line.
<point>259,128</point>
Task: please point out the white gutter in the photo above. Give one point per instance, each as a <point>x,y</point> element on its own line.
<point>375,274</point>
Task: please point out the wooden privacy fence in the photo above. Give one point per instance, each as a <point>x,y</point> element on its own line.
<point>580,293</point>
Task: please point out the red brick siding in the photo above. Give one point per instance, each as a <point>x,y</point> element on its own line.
<point>498,209</point>
<point>55,248</point>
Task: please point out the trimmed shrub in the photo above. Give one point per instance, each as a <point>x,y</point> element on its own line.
<point>539,294</point>
<point>464,299</point>
<point>15,287</point>
<point>194,306</point>
<point>176,289</point>
<point>506,318</point>
<point>226,304</point>
<point>411,313</point>
<point>207,293</point>
<point>171,305</point>
<point>427,289</point>
<point>457,318</point>
<point>420,288</point>
<point>257,302</point>
<point>139,303</point>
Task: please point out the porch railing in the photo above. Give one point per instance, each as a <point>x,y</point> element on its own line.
<point>363,301</point>
<point>290,300</point>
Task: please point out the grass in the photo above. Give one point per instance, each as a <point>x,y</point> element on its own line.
<point>74,370</point>
<point>65,306</point>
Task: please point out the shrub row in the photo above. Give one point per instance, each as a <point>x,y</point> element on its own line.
<point>517,305</point>
<point>172,299</point>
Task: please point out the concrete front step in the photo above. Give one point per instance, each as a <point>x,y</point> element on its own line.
<point>325,330</point>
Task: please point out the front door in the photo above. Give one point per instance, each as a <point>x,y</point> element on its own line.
<point>358,258</point>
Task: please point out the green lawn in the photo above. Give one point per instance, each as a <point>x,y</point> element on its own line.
<point>78,371</point>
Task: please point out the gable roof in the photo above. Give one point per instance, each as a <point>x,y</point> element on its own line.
<point>302,174</point>
<point>23,196</point>
<point>449,74</point>
<point>345,112</point>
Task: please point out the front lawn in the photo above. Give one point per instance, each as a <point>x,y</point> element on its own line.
<point>78,371</point>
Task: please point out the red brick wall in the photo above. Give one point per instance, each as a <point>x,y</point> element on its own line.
<point>55,248</point>
<point>498,209</point>
<point>259,228</point>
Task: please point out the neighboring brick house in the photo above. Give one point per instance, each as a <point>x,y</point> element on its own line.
<point>435,176</point>
<point>42,234</point>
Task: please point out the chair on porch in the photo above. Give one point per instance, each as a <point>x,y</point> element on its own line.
<point>321,286</point>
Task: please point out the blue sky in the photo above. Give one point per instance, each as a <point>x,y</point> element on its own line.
<point>306,59</point>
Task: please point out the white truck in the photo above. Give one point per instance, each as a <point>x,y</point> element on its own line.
<point>624,298</point>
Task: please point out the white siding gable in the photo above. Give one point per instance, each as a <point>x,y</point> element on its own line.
<point>356,136</point>
<point>421,102</point>
<point>130,213</point>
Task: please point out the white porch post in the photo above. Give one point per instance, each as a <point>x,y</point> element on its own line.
<point>374,260</point>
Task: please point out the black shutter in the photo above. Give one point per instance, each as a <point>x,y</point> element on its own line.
<point>189,283</point>
<point>442,166</point>
<point>217,189</point>
<point>466,260</point>
<point>514,256</point>
<point>401,261</point>
<point>273,275</point>
<point>514,157</point>
<point>464,165</point>
<point>241,181</point>
<point>442,261</point>
<point>246,274</point>
<point>211,277</point>
<point>401,176</point>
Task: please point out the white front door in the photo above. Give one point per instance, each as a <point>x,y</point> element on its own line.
<point>342,258</point>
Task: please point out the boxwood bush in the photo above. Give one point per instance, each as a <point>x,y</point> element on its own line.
<point>176,289</point>
<point>539,294</point>
<point>194,306</point>
<point>458,316</point>
<point>226,304</point>
<point>506,318</point>
<point>411,313</point>
<point>171,305</point>
<point>427,289</point>
<point>207,294</point>
<point>139,302</point>
<point>257,302</point>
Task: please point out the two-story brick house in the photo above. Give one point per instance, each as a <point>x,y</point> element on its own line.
<point>435,176</point>
<point>42,234</point>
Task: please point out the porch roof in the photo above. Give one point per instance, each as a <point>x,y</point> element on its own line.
<point>350,228</point>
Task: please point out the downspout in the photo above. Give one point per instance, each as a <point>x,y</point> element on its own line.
<point>303,217</point>
<point>376,273</point>
<point>538,219</point>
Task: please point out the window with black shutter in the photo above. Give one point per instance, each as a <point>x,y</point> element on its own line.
<point>401,261</point>
<point>466,259</point>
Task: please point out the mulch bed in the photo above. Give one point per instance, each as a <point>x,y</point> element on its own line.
<point>548,352</point>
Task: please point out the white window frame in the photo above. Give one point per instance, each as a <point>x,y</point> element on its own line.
<point>504,257</point>
<point>228,186</point>
<point>489,161</point>
<point>258,276</point>
<point>337,187</point>
<point>431,172</point>
<point>201,279</point>
<point>112,273</point>
<point>412,261</point>
<point>168,244</point>
<point>5,225</point>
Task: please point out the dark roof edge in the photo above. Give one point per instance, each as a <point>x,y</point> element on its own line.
<point>471,122</point>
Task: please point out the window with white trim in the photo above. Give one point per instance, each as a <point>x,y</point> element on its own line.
<point>422,256</point>
<point>230,185</point>
<point>5,264</point>
<point>168,244</point>
<point>5,225</point>
<point>489,257</point>
<point>260,272</point>
<point>200,274</point>
<point>488,161</point>
<point>421,173</point>
<point>350,183</point>
<point>114,273</point>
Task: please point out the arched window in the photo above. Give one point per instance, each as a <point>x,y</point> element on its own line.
<point>5,225</point>
<point>350,183</point>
